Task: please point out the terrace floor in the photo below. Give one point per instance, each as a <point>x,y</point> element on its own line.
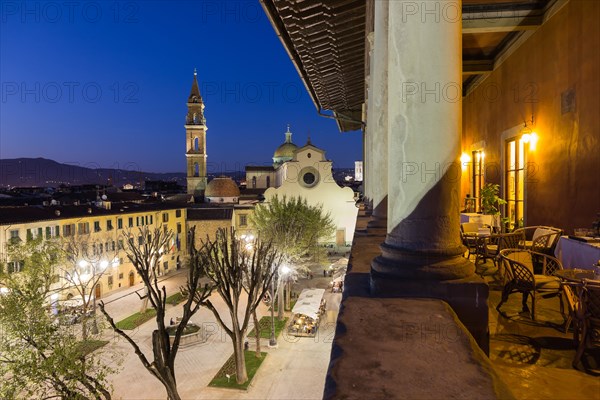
<point>534,357</point>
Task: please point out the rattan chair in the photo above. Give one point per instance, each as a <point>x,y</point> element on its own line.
<point>572,301</point>
<point>541,239</point>
<point>490,247</point>
<point>520,277</point>
<point>588,314</point>
<point>468,234</point>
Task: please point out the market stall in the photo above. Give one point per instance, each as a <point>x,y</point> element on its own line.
<point>307,312</point>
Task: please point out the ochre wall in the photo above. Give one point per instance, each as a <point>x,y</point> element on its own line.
<point>563,183</point>
<point>207,228</point>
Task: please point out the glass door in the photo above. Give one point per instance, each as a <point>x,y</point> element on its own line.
<point>514,191</point>
<point>477,178</point>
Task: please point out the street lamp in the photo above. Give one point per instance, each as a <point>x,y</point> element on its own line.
<point>285,271</point>
<point>96,271</point>
<point>282,271</point>
<point>272,340</point>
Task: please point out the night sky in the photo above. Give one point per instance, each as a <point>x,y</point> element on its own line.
<point>103,83</point>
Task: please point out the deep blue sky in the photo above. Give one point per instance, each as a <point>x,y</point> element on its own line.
<point>103,83</point>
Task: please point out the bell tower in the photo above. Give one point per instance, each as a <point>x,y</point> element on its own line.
<point>195,139</point>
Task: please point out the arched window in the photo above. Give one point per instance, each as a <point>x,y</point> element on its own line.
<point>196,169</point>
<point>253,182</point>
<point>196,144</point>
<point>268,181</point>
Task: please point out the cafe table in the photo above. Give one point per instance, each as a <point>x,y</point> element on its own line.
<point>577,254</point>
<point>481,219</point>
<point>572,282</point>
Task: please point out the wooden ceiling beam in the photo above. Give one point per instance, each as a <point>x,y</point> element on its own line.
<point>501,23</point>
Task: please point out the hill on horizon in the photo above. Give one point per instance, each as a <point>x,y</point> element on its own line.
<point>49,173</point>
<point>43,172</point>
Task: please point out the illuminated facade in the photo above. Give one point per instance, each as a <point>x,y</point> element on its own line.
<point>101,231</point>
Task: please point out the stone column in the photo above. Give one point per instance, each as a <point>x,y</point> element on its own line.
<point>377,118</point>
<point>367,131</point>
<point>422,255</point>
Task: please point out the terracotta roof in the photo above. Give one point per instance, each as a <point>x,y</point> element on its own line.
<point>16,215</point>
<point>268,168</point>
<point>326,42</point>
<point>222,187</point>
<point>209,213</point>
<point>252,192</point>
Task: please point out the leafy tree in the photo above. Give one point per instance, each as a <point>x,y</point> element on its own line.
<point>145,257</point>
<point>295,228</point>
<point>40,357</point>
<point>235,268</point>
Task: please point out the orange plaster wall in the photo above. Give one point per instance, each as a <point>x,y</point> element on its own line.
<point>563,183</point>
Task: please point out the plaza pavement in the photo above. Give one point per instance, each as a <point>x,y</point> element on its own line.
<point>294,370</point>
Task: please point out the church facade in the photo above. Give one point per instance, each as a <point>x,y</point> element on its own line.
<point>306,172</point>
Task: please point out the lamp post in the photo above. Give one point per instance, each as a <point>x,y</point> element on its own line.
<point>272,340</point>
<point>97,269</point>
<point>283,272</point>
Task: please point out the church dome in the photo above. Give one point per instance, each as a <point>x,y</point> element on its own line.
<point>222,187</point>
<point>286,150</point>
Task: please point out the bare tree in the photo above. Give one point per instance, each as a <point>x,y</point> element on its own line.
<point>145,255</point>
<point>234,270</point>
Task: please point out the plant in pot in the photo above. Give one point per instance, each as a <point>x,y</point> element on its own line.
<point>490,201</point>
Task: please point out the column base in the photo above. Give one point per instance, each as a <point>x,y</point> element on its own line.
<point>428,264</point>
<point>377,221</point>
<point>468,297</point>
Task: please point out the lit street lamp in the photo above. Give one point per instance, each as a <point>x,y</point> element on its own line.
<point>97,269</point>
<point>272,340</point>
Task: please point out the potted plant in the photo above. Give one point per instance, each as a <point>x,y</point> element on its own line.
<point>490,201</point>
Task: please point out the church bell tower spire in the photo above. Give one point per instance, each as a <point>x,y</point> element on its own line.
<point>195,131</point>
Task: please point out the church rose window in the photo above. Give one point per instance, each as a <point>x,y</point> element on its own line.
<point>309,178</point>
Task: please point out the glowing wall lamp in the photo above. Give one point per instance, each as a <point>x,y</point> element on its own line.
<point>531,138</point>
<point>464,160</point>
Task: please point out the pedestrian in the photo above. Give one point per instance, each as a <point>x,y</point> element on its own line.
<point>171,322</point>
<point>324,273</point>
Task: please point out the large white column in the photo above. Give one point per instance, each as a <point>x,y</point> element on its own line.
<point>367,132</point>
<point>377,117</point>
<point>424,96</point>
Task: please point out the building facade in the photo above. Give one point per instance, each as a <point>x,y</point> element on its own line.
<point>99,234</point>
<point>308,174</point>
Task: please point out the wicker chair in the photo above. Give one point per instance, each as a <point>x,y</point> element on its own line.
<point>468,234</point>
<point>541,239</point>
<point>490,247</point>
<point>570,291</point>
<point>588,313</point>
<point>520,277</point>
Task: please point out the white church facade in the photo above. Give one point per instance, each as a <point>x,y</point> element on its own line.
<point>306,172</point>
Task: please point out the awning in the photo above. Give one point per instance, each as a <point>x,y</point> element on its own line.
<point>339,276</point>
<point>308,302</point>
